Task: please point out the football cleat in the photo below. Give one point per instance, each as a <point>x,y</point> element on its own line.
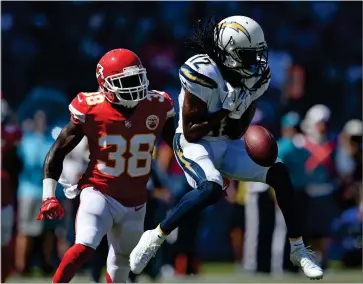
<point>145,250</point>
<point>302,257</point>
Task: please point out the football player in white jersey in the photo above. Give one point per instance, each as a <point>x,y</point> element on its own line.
<point>219,86</point>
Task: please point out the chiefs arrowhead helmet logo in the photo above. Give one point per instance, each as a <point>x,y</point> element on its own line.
<point>99,71</point>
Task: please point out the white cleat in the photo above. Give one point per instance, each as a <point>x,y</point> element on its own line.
<point>145,250</point>
<point>302,257</point>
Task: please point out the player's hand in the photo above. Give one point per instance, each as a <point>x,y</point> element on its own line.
<point>229,98</point>
<point>51,209</point>
<point>262,84</point>
<point>244,100</point>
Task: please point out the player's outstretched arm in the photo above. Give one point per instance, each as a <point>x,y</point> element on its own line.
<point>69,137</point>
<point>67,140</point>
<point>197,123</point>
<point>169,132</point>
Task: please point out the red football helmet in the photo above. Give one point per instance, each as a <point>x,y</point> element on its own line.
<point>120,73</point>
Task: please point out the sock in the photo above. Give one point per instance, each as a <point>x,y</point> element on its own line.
<point>181,262</point>
<point>160,233</point>
<point>108,278</point>
<point>193,201</point>
<point>296,243</point>
<point>72,261</point>
<point>278,178</point>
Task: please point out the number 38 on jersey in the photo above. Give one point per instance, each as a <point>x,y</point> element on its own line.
<point>139,158</point>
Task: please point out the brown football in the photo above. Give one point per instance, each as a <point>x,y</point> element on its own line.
<point>261,146</point>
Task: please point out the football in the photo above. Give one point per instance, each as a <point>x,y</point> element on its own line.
<point>261,146</point>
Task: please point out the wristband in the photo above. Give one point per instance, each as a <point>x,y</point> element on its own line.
<point>49,187</point>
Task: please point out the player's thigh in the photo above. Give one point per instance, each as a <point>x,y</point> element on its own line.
<point>122,238</point>
<point>94,218</point>
<point>237,165</point>
<point>7,221</point>
<point>197,161</point>
<point>124,235</point>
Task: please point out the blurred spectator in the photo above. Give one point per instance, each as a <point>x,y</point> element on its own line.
<point>32,149</point>
<point>349,161</point>
<point>260,224</point>
<point>289,128</point>
<point>11,166</point>
<point>236,195</point>
<point>10,138</point>
<point>347,232</point>
<point>7,219</point>
<point>320,205</point>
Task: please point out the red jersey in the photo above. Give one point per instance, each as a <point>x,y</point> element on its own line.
<point>120,145</point>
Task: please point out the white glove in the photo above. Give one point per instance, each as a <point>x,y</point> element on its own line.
<point>229,98</point>
<point>255,88</point>
<point>244,100</point>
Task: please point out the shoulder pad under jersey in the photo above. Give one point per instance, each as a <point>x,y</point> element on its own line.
<point>166,103</point>
<point>82,103</point>
<point>200,75</point>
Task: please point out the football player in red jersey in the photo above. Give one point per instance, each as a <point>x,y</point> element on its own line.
<point>121,123</point>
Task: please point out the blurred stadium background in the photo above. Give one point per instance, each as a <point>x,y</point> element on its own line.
<point>49,54</point>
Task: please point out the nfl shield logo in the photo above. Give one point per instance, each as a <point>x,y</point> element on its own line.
<point>128,123</point>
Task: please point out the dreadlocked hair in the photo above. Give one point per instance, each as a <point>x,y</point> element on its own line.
<point>204,40</point>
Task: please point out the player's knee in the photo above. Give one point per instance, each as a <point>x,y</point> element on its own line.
<point>212,191</point>
<point>88,242</point>
<point>277,175</point>
<point>88,236</point>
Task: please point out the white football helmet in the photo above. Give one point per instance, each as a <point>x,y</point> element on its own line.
<point>243,45</point>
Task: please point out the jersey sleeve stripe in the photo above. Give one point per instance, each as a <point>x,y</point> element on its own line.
<point>170,113</point>
<point>77,114</point>
<point>191,168</point>
<point>194,77</point>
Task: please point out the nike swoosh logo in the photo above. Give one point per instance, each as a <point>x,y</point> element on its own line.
<point>138,208</point>
<point>79,99</point>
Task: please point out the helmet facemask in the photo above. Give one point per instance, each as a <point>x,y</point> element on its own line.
<point>248,62</point>
<point>129,87</point>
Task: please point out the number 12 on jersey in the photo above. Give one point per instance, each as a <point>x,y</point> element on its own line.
<point>130,165</point>
<point>200,60</point>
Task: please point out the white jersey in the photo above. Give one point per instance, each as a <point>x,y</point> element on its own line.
<point>201,77</point>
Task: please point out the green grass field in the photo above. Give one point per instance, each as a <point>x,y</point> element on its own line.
<point>225,273</point>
